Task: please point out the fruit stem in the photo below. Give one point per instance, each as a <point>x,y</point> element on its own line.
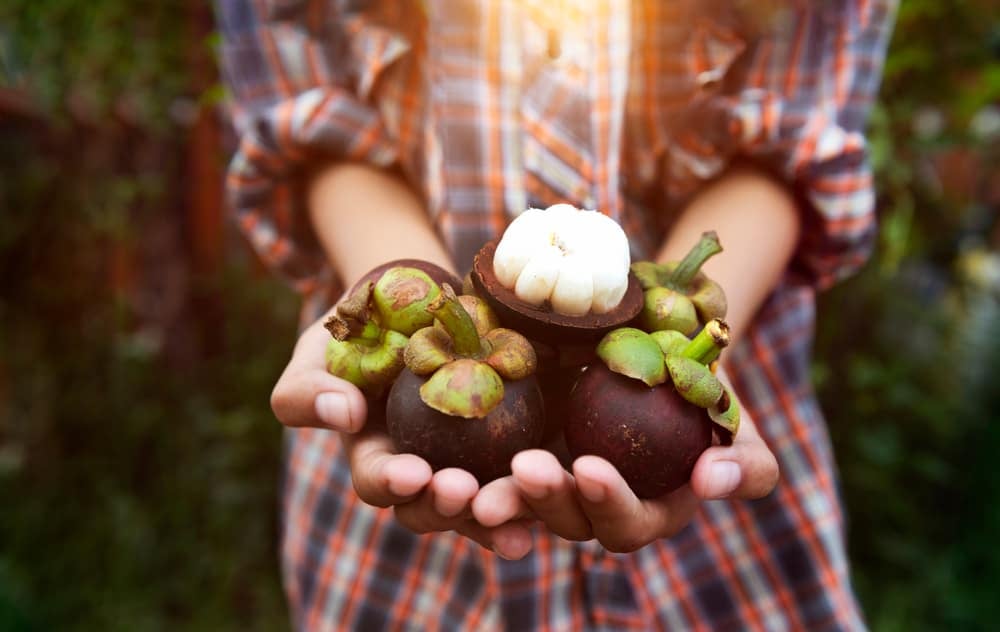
<point>345,328</point>
<point>706,248</point>
<point>353,318</point>
<point>709,343</point>
<point>457,322</point>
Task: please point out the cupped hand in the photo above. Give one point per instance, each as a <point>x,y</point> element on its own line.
<point>306,395</point>
<point>594,501</point>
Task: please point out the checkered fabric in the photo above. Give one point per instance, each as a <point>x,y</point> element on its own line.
<point>645,102</point>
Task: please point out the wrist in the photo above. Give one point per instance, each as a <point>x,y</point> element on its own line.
<point>364,217</point>
<point>758,224</point>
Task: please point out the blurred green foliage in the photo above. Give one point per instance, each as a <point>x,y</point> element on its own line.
<point>907,351</point>
<point>139,462</point>
<point>138,459</point>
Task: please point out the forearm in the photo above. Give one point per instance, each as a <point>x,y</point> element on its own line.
<point>364,217</point>
<point>758,225</point>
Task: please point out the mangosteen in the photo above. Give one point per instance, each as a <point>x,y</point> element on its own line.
<point>468,396</point>
<point>649,405</point>
<point>559,275</point>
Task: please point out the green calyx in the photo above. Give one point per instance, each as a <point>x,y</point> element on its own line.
<point>371,365</point>
<point>726,412</point>
<point>361,352</point>
<point>664,308</point>
<point>633,353</point>
<point>669,355</point>
<point>463,388</point>
<point>371,327</point>
<point>401,296</point>
<point>467,356</point>
<point>678,295</point>
<point>694,381</point>
<point>671,341</point>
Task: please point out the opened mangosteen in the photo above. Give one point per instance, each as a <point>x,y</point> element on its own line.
<point>649,405</point>
<point>468,397</point>
<point>678,295</point>
<point>559,275</point>
<point>371,327</point>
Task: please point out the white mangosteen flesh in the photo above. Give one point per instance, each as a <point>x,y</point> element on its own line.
<point>577,260</point>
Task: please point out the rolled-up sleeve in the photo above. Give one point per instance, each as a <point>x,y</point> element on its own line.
<point>301,75</point>
<point>799,106</point>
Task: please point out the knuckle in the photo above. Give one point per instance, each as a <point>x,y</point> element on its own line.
<point>412,519</point>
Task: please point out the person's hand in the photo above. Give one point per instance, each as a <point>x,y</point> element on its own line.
<point>306,395</point>
<point>596,502</point>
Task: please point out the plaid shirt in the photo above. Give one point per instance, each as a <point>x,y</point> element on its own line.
<point>646,101</point>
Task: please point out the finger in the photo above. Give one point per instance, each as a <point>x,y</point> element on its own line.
<point>745,469</point>
<point>622,522</point>
<point>453,490</point>
<point>498,502</point>
<point>380,477</point>
<point>511,541</point>
<point>550,492</point>
<point>306,395</point>
<point>441,506</point>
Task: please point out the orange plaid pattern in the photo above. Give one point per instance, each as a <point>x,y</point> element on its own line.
<point>647,101</point>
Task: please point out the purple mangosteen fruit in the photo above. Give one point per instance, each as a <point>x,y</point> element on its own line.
<point>468,396</point>
<point>649,405</point>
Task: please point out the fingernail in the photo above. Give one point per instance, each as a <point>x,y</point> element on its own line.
<point>400,477</point>
<point>723,479</point>
<point>399,488</point>
<point>512,546</point>
<point>333,410</point>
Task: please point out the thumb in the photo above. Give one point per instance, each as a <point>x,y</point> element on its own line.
<point>314,398</point>
<point>746,469</point>
<point>307,395</point>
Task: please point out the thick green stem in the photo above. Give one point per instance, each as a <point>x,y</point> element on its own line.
<point>709,343</point>
<point>457,322</point>
<point>686,270</point>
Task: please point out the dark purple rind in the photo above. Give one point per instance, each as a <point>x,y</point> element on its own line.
<point>541,323</point>
<point>653,436</point>
<point>434,271</point>
<point>483,447</point>
<point>556,387</point>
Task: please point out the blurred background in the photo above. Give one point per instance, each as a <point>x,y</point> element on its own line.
<point>139,339</point>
